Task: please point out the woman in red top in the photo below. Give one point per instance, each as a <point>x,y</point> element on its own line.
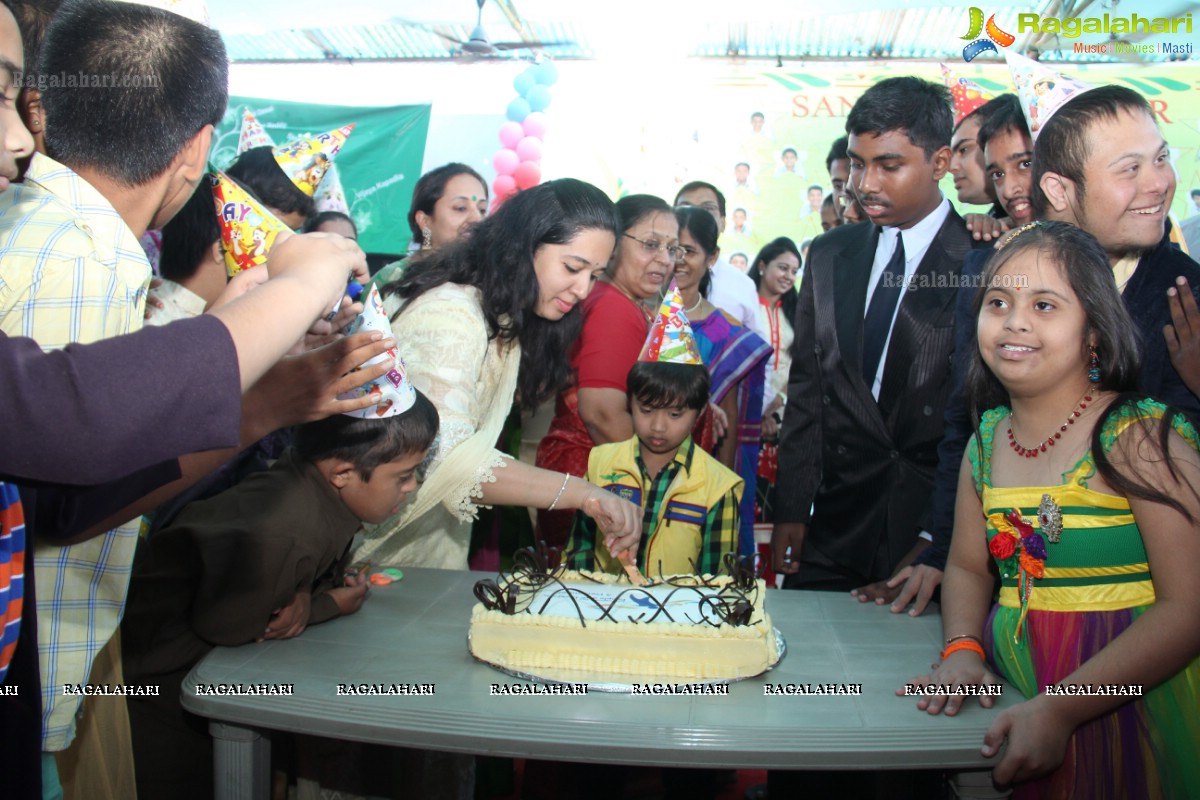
<point>594,409</point>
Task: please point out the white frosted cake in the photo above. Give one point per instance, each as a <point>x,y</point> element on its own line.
<point>579,626</point>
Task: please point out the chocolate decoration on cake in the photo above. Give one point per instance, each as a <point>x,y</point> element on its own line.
<point>733,603</point>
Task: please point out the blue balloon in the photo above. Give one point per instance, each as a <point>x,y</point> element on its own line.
<point>538,97</point>
<point>523,83</point>
<point>546,73</point>
<point>519,109</point>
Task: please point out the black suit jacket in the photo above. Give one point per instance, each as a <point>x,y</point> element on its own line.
<point>866,468</point>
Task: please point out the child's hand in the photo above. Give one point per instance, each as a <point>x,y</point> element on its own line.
<point>619,520</point>
<point>963,668</point>
<point>291,620</point>
<point>349,597</point>
<point>1037,740</point>
<point>153,303</point>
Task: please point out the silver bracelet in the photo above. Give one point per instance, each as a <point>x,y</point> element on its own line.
<point>561,489</point>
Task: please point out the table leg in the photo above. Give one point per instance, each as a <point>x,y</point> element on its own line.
<point>241,762</point>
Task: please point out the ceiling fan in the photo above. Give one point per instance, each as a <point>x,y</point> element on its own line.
<point>477,44</point>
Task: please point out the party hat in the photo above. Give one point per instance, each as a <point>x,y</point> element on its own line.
<point>1042,91</point>
<point>329,195</point>
<point>393,392</point>
<point>195,10</point>
<point>671,340</point>
<point>967,96</point>
<point>252,133</point>
<point>248,229</point>
<point>305,161</point>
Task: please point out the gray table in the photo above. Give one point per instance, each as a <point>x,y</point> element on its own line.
<point>414,632</point>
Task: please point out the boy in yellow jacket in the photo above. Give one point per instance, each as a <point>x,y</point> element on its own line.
<point>689,499</point>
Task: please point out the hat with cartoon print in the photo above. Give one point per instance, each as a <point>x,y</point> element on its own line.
<point>967,96</point>
<point>248,229</point>
<point>1041,90</point>
<point>307,161</point>
<point>393,392</point>
<point>671,340</point>
<point>252,133</point>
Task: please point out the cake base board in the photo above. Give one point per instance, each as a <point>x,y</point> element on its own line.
<point>618,684</point>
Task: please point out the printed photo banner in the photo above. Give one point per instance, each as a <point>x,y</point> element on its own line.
<point>378,165</point>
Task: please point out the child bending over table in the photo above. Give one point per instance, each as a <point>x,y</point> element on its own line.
<point>259,561</point>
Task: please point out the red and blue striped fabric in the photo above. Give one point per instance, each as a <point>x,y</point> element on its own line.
<point>12,572</point>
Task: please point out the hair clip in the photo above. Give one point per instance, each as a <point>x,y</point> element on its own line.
<point>1028,226</point>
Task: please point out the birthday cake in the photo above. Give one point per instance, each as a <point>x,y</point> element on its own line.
<point>570,626</point>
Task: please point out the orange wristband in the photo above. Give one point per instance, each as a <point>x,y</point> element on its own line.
<point>964,644</point>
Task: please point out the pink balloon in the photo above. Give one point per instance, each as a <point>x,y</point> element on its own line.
<point>535,125</point>
<point>504,185</point>
<point>505,161</point>
<point>530,149</point>
<point>528,174</point>
<point>510,134</point>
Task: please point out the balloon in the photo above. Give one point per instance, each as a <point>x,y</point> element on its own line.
<point>504,185</point>
<point>538,98</point>
<point>530,149</point>
<point>523,82</point>
<point>511,133</point>
<point>545,73</point>
<point>528,174</point>
<point>505,161</point>
<point>518,109</point>
<point>535,125</point>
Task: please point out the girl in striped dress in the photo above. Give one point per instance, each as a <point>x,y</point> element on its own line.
<point>1079,495</point>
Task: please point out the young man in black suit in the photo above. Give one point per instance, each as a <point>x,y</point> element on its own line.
<point>871,361</point>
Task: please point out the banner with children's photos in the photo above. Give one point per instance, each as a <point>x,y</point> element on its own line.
<point>378,165</point>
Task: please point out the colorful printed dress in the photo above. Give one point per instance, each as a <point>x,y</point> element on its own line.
<point>1096,582</point>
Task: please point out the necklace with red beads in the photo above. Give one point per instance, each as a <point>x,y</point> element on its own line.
<point>1032,452</point>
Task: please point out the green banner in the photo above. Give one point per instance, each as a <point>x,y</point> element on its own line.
<point>378,166</point>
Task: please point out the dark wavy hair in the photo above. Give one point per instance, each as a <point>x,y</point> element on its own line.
<point>1085,267</point>
<point>430,188</point>
<point>369,442</point>
<point>692,219</point>
<point>772,250</point>
<point>496,257</point>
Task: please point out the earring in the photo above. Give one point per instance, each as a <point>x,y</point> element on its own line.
<point>427,238</point>
<point>1094,368</point>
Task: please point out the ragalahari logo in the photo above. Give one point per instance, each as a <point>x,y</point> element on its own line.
<point>994,37</point>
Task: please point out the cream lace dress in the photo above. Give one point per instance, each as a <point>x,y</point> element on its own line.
<point>443,338</point>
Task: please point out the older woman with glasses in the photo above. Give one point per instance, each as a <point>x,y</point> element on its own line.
<point>617,315</point>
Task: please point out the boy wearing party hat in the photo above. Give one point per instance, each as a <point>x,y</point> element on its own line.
<point>688,498</point>
<point>220,573</point>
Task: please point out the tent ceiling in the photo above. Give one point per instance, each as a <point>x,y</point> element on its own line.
<point>787,30</point>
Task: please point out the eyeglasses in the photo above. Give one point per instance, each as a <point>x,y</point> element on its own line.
<point>653,247</point>
<point>709,206</point>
